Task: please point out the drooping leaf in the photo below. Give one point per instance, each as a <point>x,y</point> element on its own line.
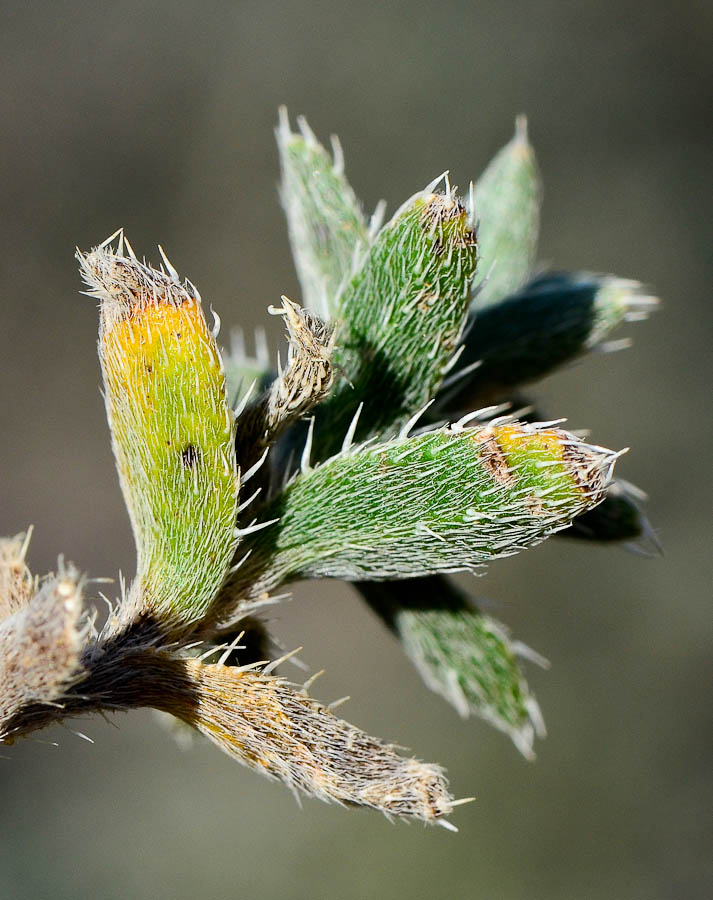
<point>269,725</point>
<point>460,652</point>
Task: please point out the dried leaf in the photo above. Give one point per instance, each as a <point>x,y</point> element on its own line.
<point>301,385</point>
<point>16,583</point>
<point>267,724</point>
<point>40,649</point>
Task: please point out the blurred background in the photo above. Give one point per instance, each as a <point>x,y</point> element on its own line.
<point>159,117</point>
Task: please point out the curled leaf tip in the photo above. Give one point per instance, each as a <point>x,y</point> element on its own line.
<point>125,286</point>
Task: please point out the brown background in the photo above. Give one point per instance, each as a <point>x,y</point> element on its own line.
<point>158,117</point>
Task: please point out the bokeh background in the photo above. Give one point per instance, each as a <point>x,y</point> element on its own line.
<point>159,117</point>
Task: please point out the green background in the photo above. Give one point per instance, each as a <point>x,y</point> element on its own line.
<point>159,117</point>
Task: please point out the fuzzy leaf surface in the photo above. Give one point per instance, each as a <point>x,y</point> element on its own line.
<point>440,502</point>
<point>400,319</point>
<point>302,384</point>
<point>172,433</point>
<point>507,199</point>
<point>40,649</point>
<point>461,653</point>
<point>259,719</point>
<point>552,320</point>
<point>325,220</point>
<point>271,726</point>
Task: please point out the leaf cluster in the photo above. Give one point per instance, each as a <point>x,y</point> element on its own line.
<point>390,449</point>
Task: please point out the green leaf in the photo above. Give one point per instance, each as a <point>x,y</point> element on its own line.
<point>555,318</point>
<point>172,432</point>
<point>461,653</point>
<point>324,217</point>
<point>507,199</point>
<point>443,501</point>
<point>400,319</point>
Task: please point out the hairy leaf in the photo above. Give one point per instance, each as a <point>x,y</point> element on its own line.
<point>553,319</point>
<point>259,719</point>
<point>267,724</point>
<point>461,653</point>
<point>300,386</point>
<point>507,199</point>
<point>400,319</point>
<point>40,649</point>
<point>172,433</point>
<point>440,502</point>
<point>324,217</point>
